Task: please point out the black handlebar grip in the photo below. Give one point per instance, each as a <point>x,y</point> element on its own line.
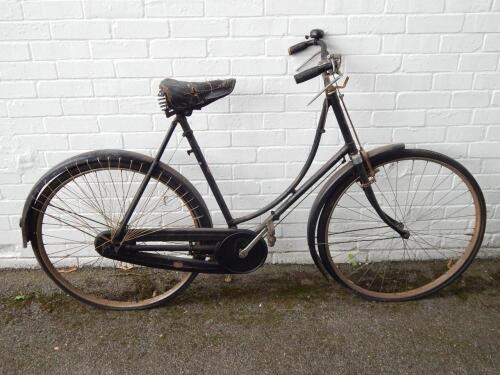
<point>298,47</point>
<point>312,72</point>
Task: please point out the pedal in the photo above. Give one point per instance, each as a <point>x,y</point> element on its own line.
<point>271,234</point>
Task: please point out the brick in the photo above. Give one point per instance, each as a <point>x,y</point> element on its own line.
<point>461,43</point>
<point>173,8</point>
<point>187,67</point>
<point>230,121</point>
<point>259,26</point>
<point>477,62</point>
<point>24,30</point>
<point>34,107</point>
<point>482,22</point>
<point>125,123</point>
<point>354,6</point>
<point>447,117</point>
<point>231,155</point>
<point>289,120</point>
<point>89,106</point>
<point>430,63</point>
<point>486,116</point>
<point>435,23</point>
<point>366,44</point>
<point>258,171</point>
<point>44,141</point>
<point>64,88</point>
<point>134,29</point>
<point>368,101</point>
<point>258,66</point>
<point>71,124</point>
<point>95,141</point>
<point>143,68</point>
<point>17,89</point>
<point>373,63</point>
<point>203,28</point>
<point>465,134</point>
<point>399,118</point>
<point>431,135</point>
<point>113,8</point>
<point>285,7</point>
<point>329,24</point>
<point>281,85</point>
<point>376,24</point>
<point>258,138</point>
<point>118,49</point>
<point>235,8</point>
<point>11,10</point>
<point>487,81</point>
<point>135,105</point>
<point>467,5</point>
<point>423,100</point>
<point>492,42</point>
<point>406,43</point>
<point>247,85</point>
<point>403,82</point>
<point>178,48</point>
<point>260,103</point>
<point>235,47</point>
<point>410,6</point>
<point>121,87</point>
<point>59,50</point>
<point>88,29</point>
<point>85,69</point>
<point>282,154</point>
<point>14,52</point>
<point>39,10</point>
<point>486,150</point>
<point>470,99</point>
<point>452,81</point>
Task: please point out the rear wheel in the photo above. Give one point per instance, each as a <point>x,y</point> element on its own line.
<point>439,203</point>
<point>89,198</point>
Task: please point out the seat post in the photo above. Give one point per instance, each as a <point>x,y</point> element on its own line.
<point>195,149</point>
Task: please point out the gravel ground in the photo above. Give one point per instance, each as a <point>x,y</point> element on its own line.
<point>279,320</point>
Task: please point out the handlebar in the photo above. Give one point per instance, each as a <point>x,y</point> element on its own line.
<point>312,72</point>
<point>300,46</point>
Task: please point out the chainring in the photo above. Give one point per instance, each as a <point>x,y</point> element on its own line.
<point>227,253</point>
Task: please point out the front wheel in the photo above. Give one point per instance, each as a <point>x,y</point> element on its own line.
<point>436,199</point>
<point>89,197</point>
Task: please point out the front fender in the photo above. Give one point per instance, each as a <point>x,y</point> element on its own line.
<point>325,193</point>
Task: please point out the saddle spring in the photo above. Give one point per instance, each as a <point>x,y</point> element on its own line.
<point>162,101</point>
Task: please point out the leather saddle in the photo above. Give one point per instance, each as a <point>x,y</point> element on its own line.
<point>183,97</point>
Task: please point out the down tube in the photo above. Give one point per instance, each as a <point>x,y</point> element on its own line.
<point>311,181</point>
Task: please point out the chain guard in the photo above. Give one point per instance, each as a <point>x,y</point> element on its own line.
<point>227,253</point>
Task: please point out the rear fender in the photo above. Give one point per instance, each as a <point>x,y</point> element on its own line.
<point>344,172</point>
<point>26,224</point>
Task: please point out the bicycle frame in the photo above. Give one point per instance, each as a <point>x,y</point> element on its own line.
<point>291,194</point>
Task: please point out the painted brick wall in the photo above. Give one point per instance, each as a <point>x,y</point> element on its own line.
<point>78,75</point>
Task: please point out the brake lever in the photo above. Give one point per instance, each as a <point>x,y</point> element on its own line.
<point>307,61</point>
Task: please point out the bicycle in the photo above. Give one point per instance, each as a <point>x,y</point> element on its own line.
<point>121,230</point>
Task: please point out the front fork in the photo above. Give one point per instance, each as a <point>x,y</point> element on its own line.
<point>366,183</point>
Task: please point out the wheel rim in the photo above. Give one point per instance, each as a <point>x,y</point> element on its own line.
<point>381,264</point>
<point>91,199</point>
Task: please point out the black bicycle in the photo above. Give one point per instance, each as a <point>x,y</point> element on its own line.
<point>121,230</point>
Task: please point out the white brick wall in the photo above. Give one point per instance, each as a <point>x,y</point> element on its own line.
<point>78,74</point>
